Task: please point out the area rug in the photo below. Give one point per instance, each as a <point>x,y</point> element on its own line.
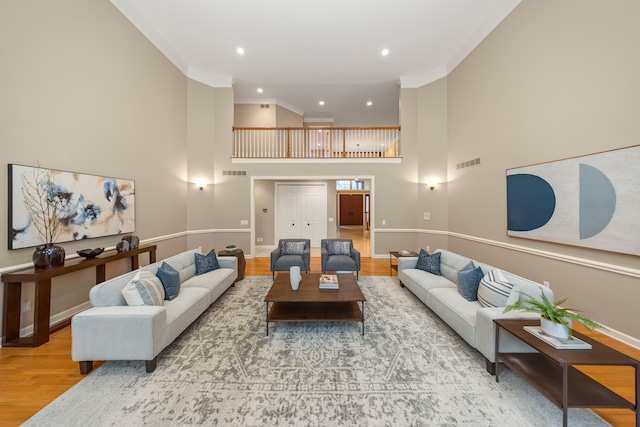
<point>409,369</point>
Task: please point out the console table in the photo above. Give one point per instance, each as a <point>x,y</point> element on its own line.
<point>42,301</point>
<point>552,371</point>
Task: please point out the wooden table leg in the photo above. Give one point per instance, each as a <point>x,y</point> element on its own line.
<point>11,325</point>
<point>42,312</point>
<point>565,394</point>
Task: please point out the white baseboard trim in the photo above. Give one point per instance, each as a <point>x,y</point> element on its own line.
<point>58,317</point>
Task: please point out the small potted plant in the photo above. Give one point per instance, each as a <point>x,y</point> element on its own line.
<point>555,320</point>
<point>230,248</point>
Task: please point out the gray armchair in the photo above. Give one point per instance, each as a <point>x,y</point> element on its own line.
<point>339,255</point>
<point>291,253</point>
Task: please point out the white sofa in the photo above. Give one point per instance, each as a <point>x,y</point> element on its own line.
<point>112,330</point>
<point>469,319</point>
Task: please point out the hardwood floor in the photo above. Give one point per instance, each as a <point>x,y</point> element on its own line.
<point>30,378</point>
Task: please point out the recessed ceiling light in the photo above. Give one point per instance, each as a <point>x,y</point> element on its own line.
<point>385,52</point>
<point>240,51</point>
<point>321,102</point>
<point>369,103</point>
<point>259,90</point>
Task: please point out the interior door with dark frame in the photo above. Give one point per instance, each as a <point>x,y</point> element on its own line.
<point>351,209</point>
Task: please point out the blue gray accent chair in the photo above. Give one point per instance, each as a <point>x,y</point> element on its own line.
<point>339,255</point>
<point>283,257</point>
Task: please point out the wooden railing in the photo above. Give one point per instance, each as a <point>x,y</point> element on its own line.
<point>277,143</point>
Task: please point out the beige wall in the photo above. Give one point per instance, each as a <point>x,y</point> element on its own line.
<point>554,80</point>
<point>286,118</point>
<point>251,115</point>
<point>84,91</point>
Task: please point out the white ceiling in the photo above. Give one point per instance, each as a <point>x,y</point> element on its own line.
<point>301,52</point>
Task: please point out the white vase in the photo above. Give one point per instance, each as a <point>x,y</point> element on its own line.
<point>554,329</point>
<point>295,277</point>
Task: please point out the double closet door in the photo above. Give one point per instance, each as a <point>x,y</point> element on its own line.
<point>301,211</point>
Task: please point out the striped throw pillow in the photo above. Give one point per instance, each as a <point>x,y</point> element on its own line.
<point>494,289</point>
<point>144,289</point>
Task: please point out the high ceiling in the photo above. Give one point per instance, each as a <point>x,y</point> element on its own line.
<point>301,52</point>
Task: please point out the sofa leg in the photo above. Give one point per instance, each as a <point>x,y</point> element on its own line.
<point>151,364</point>
<point>491,367</point>
<point>86,366</point>
<point>401,285</point>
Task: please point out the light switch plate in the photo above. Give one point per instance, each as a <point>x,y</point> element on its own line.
<point>427,216</point>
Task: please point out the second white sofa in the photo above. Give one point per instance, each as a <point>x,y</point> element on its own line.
<point>113,330</point>
<point>470,319</point>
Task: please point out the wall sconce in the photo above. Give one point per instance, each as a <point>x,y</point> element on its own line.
<point>432,184</point>
<point>201,183</point>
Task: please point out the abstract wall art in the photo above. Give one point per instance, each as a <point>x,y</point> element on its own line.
<point>591,201</point>
<point>84,206</point>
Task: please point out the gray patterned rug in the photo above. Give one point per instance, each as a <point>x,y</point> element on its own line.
<point>409,369</point>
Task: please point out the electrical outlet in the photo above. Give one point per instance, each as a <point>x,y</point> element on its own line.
<point>428,248</point>
<point>244,222</point>
<point>427,216</point>
<point>259,239</point>
<point>25,306</point>
<point>384,222</point>
<point>545,283</point>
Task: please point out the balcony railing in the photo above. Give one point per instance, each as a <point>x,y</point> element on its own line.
<point>329,143</point>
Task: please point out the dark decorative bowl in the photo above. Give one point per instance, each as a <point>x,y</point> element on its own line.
<point>90,253</point>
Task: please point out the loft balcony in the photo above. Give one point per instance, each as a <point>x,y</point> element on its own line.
<point>320,144</point>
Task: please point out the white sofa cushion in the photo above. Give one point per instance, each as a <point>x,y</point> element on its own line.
<point>457,312</point>
<point>182,311</point>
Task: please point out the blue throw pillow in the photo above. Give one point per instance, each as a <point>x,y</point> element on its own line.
<point>429,263</point>
<point>468,282</point>
<point>170,279</point>
<point>206,263</point>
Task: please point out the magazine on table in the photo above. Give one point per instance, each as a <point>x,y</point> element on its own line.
<point>559,343</point>
<point>328,281</point>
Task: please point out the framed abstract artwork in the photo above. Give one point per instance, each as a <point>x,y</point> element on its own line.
<point>591,201</point>
<point>73,206</point>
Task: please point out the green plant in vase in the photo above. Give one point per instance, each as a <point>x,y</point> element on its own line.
<point>555,319</point>
<point>231,248</point>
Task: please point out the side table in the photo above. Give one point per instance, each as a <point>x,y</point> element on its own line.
<point>396,254</point>
<point>553,371</point>
<point>238,253</point>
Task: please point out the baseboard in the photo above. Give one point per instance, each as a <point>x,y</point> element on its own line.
<point>61,317</point>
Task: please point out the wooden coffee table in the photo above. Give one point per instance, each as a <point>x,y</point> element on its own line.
<point>553,371</point>
<point>311,304</point>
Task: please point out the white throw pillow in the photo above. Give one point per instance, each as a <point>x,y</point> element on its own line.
<point>494,289</point>
<point>144,289</point>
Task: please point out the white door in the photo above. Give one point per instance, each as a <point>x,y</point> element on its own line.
<point>301,211</point>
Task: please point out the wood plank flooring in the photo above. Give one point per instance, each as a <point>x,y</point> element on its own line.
<point>30,378</point>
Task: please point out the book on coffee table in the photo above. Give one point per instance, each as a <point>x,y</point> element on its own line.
<point>559,343</point>
<point>328,281</point>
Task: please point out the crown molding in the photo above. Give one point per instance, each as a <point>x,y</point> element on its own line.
<point>133,15</point>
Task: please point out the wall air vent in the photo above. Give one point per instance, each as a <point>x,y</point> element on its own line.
<point>468,163</point>
<point>264,105</point>
<point>238,173</point>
